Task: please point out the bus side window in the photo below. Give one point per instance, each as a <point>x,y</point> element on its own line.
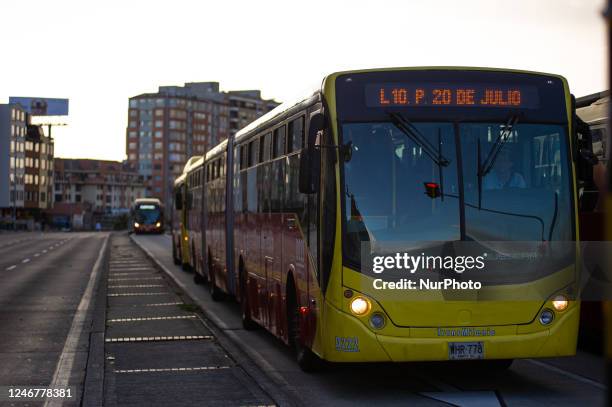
<point>278,148</point>
<point>264,147</point>
<point>252,159</point>
<point>295,140</point>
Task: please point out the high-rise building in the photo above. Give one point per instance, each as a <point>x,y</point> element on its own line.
<point>245,107</point>
<point>38,186</point>
<point>13,129</point>
<point>166,128</point>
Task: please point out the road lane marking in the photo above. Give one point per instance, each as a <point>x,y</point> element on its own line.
<point>131,274</point>
<point>65,364</point>
<point>9,268</point>
<point>44,251</point>
<point>152,318</point>
<point>157,304</point>
<point>36,254</point>
<point>135,294</point>
<point>172,369</point>
<point>25,261</point>
<point>568,374</point>
<point>137,286</point>
<point>159,338</point>
<point>135,279</point>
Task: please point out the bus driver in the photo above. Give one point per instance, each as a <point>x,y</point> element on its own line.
<point>503,175</point>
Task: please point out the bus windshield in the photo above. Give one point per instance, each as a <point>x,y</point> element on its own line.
<point>394,191</point>
<point>148,214</point>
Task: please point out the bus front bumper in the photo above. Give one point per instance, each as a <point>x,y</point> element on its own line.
<point>350,340</point>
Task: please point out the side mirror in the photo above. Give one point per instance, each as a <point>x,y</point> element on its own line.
<point>583,152</point>
<point>311,155</point>
<point>178,201</point>
<point>189,199</point>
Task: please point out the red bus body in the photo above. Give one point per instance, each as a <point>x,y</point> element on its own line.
<point>259,229</point>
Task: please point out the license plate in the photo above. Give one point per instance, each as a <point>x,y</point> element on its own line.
<point>465,350</point>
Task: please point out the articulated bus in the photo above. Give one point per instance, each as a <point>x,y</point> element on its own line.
<point>183,248</point>
<point>415,160</point>
<point>146,216</point>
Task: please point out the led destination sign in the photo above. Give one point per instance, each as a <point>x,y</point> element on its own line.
<point>451,95</point>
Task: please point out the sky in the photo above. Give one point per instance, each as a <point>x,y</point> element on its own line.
<point>99,53</point>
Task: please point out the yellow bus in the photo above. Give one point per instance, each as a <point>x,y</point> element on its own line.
<point>312,212</point>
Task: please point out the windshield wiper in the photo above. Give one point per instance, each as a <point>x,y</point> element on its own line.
<point>415,135</point>
<point>485,168</point>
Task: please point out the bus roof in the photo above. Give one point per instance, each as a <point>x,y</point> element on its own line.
<point>180,179</point>
<point>443,68</point>
<point>151,201</point>
<point>193,162</point>
<point>596,112</point>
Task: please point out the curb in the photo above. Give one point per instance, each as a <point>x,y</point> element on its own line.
<point>93,383</point>
<point>277,387</point>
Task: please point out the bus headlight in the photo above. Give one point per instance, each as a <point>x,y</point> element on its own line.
<point>136,224</point>
<point>158,225</point>
<point>360,306</point>
<point>560,303</point>
<point>377,320</point>
<point>546,317</point>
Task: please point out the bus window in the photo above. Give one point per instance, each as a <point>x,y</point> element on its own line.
<point>296,135</point>
<point>264,147</point>
<point>243,161</point>
<point>278,148</point>
<point>252,159</point>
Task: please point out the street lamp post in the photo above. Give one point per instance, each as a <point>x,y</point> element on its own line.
<point>15,194</point>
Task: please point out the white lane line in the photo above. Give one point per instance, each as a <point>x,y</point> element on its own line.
<point>10,267</point>
<point>136,286</point>
<point>159,338</point>
<point>135,279</point>
<point>25,261</point>
<point>135,294</point>
<point>568,374</point>
<point>44,251</point>
<point>172,369</point>
<point>51,248</point>
<point>36,254</point>
<point>151,318</point>
<point>65,364</point>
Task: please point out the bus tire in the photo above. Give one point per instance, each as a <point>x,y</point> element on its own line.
<point>307,360</point>
<point>175,258</point>
<point>215,293</point>
<point>245,310</point>
<point>198,279</point>
<point>498,364</point>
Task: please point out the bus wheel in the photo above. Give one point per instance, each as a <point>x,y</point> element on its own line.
<point>198,279</point>
<point>306,359</point>
<point>247,322</point>
<point>215,293</point>
<point>497,364</point>
<point>175,258</point>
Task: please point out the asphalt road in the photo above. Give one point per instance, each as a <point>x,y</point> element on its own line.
<point>43,279</point>
<point>562,382</point>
